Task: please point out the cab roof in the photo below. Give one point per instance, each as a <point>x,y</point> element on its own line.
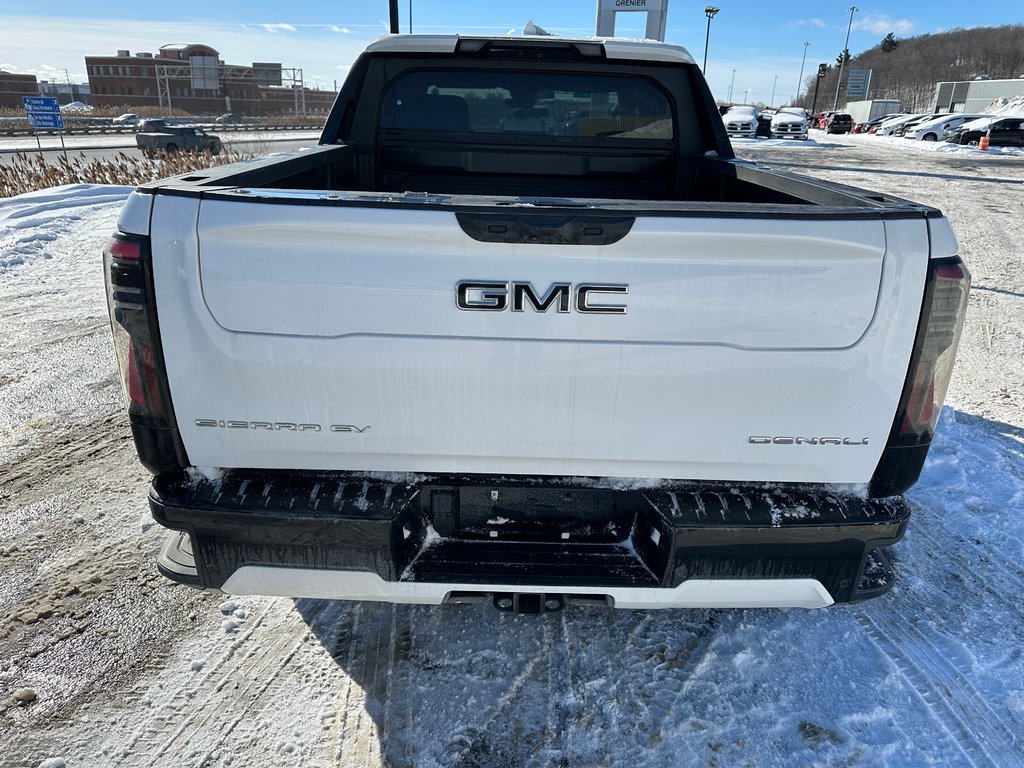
<point>610,47</point>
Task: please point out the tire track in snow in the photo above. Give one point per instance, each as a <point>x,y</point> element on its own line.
<point>269,649</point>
<point>952,700</point>
<point>370,660</point>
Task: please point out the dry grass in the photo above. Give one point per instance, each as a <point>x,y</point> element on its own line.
<point>29,172</point>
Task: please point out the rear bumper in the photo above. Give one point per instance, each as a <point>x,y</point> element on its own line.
<point>348,537</point>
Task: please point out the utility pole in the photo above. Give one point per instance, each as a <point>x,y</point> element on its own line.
<point>842,57</point>
<point>771,102</point>
<point>822,70</point>
<point>731,84</point>
<point>800,82</point>
<point>710,12</point>
<point>393,16</point>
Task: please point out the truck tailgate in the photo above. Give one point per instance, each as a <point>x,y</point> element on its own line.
<point>329,337</point>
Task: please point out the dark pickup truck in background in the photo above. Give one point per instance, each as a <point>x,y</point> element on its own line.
<point>157,136</point>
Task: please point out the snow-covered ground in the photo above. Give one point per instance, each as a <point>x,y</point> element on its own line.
<point>103,663</point>
<point>882,144</point>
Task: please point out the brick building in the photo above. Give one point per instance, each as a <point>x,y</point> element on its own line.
<point>193,78</point>
<point>13,87</point>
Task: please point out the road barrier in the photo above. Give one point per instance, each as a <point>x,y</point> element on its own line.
<point>84,130</point>
<point>983,141</point>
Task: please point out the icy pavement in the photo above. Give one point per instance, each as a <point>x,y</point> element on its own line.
<point>126,670</point>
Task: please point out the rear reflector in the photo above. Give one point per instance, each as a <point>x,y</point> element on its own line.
<point>129,250</point>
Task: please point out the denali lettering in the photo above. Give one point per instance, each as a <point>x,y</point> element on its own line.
<point>489,296</point>
<point>277,426</point>
<point>786,440</point>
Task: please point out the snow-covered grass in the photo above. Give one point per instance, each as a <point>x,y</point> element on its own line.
<point>31,172</point>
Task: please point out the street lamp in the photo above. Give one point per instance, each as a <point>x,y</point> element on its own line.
<point>771,102</point>
<point>731,84</point>
<point>842,57</point>
<point>800,82</point>
<point>710,12</point>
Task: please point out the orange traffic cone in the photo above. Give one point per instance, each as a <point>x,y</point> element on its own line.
<point>983,141</point>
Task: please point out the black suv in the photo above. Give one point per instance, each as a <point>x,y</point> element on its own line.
<point>1008,132</point>
<point>840,122</point>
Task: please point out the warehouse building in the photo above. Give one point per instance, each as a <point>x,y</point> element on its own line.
<point>975,95</point>
<point>13,87</point>
<point>193,78</point>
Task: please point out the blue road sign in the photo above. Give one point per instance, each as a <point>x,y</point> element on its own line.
<point>43,112</point>
<point>45,120</point>
<point>40,103</point>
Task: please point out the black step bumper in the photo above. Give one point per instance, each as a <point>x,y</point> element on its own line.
<point>524,533</point>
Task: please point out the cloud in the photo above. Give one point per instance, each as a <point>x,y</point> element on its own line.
<point>275,28</point>
<point>340,30</point>
<point>882,24</point>
<point>816,23</point>
<point>31,43</point>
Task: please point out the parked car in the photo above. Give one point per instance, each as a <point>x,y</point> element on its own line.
<point>741,122</point>
<point>790,122</point>
<point>838,122</point>
<point>128,118</point>
<point>901,130</point>
<point>171,138</point>
<point>889,126</point>
<point>875,125</point>
<point>981,124</point>
<point>1005,132</point>
<point>933,130</point>
<point>822,119</point>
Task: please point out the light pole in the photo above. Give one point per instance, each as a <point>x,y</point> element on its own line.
<point>731,84</point>
<point>842,57</point>
<point>800,82</point>
<point>771,102</point>
<point>710,12</point>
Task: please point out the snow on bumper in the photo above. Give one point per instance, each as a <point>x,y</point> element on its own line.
<point>426,540</point>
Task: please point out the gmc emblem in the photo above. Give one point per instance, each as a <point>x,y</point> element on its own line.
<point>487,296</point>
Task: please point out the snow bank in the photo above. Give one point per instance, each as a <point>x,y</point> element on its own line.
<point>30,223</point>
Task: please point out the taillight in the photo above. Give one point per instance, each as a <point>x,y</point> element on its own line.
<point>931,368</point>
<point>938,336</point>
<point>128,273</point>
<point>129,306</point>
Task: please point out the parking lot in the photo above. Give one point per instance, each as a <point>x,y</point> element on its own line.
<point>124,669</point>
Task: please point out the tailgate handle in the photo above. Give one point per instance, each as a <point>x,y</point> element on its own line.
<point>544,229</point>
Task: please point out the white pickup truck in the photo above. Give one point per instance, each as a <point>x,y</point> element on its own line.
<point>521,328</point>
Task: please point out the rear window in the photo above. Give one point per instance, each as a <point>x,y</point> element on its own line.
<point>842,117</point>
<point>531,103</point>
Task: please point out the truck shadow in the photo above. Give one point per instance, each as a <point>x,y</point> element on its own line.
<point>465,685</point>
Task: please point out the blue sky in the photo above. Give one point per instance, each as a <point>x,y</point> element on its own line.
<point>763,40</point>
